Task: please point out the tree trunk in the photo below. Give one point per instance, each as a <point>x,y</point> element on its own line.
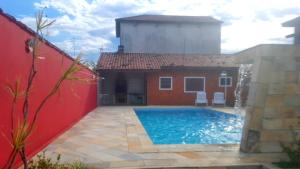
<point>24,158</point>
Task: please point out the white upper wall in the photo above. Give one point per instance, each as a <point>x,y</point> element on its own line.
<point>160,37</point>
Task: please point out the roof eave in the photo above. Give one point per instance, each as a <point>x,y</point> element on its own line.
<point>172,68</point>
<point>292,23</point>
<point>290,35</point>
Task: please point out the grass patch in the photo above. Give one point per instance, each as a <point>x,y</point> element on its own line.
<point>43,162</point>
<point>287,165</point>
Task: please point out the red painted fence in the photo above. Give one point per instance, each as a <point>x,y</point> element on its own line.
<point>70,104</point>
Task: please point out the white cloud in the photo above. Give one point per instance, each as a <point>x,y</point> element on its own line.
<point>246,23</point>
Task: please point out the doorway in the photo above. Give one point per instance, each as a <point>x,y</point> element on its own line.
<point>121,89</point>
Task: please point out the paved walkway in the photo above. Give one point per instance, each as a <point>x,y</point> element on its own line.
<point>113,137</point>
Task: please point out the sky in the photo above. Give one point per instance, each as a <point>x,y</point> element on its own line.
<point>88,26</point>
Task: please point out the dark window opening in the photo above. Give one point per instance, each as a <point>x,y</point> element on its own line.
<point>165,83</point>
<point>194,84</point>
<point>225,81</point>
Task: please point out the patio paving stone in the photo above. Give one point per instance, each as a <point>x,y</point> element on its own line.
<point>113,137</point>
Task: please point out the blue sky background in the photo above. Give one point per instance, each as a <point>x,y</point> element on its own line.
<point>86,26</point>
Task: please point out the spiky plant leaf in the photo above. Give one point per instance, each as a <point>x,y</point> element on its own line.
<point>15,89</point>
<point>19,134</point>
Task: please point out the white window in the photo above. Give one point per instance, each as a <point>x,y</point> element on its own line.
<point>165,83</point>
<point>225,80</point>
<point>194,84</point>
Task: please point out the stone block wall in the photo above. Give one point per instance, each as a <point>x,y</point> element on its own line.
<point>273,104</point>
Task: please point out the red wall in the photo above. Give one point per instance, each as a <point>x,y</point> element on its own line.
<point>74,100</point>
<point>177,96</point>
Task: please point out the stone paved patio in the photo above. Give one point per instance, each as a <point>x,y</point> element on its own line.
<point>113,137</point>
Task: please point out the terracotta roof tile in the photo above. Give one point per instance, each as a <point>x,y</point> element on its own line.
<point>147,61</point>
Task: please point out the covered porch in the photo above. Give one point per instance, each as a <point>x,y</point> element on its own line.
<point>122,88</point>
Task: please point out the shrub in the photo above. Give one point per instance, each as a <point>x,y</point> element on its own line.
<point>77,165</point>
<point>293,149</point>
<point>43,162</point>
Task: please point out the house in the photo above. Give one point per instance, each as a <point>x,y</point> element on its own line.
<point>165,60</point>
<point>296,24</point>
<point>163,79</point>
<point>169,34</point>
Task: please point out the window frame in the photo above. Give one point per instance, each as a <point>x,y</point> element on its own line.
<point>193,77</point>
<point>159,84</point>
<point>220,85</point>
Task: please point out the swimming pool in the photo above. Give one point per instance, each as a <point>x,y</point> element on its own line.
<point>190,126</point>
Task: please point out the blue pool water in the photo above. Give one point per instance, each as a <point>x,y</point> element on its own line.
<point>190,126</point>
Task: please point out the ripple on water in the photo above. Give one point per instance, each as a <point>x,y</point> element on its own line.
<point>190,126</point>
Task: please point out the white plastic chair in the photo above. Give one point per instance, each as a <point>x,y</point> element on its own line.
<point>201,98</point>
<point>218,98</point>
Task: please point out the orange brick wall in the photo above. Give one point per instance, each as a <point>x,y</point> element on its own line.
<point>177,96</point>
